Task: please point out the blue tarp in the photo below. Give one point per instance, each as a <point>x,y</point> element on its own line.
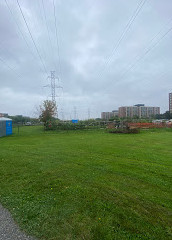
<point>74,120</point>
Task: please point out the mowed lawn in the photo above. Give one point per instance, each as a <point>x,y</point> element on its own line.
<point>88,185</point>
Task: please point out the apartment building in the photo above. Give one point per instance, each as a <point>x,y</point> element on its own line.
<point>170,102</point>
<point>109,115</point>
<point>138,110</point>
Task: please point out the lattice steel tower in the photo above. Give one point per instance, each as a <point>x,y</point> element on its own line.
<point>53,86</point>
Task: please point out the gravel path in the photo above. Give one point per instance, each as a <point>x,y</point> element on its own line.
<point>8,228</point>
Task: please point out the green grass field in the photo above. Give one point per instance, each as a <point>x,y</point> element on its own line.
<point>88,185</point>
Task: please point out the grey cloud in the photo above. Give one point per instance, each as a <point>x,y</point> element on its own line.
<point>88,32</point>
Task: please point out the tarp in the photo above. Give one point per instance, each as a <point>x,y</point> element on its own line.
<point>74,120</point>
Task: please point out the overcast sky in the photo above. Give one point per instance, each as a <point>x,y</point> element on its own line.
<point>110,53</point>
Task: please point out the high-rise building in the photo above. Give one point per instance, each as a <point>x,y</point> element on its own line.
<point>170,102</point>
<point>138,110</point>
<point>109,115</point>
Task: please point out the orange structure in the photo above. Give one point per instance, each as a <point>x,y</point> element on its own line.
<point>149,125</point>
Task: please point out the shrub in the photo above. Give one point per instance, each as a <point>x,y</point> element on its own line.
<point>125,131</point>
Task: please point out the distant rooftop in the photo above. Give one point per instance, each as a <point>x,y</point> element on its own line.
<point>139,105</point>
<point>3,114</point>
<point>5,119</point>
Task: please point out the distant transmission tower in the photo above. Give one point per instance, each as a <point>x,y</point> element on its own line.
<point>53,87</point>
<point>75,113</point>
<point>62,114</point>
<point>88,113</point>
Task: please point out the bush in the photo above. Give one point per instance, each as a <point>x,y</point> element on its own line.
<point>54,125</point>
<point>50,125</point>
<point>125,131</point>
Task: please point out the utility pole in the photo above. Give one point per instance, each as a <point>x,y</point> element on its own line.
<point>75,114</point>
<point>53,87</point>
<point>88,113</point>
<point>62,114</point>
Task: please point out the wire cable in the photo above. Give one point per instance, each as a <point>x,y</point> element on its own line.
<point>48,32</point>
<point>150,48</point>
<point>32,37</point>
<point>11,68</point>
<point>19,28</point>
<point>57,40</point>
<point>20,31</point>
<point>127,27</point>
<point>147,51</point>
<point>149,43</point>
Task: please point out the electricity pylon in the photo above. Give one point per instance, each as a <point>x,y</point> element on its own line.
<point>53,87</point>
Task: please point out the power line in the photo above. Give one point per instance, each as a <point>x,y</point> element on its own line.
<point>32,37</point>
<point>156,35</point>
<point>147,51</point>
<point>127,27</point>
<point>160,76</point>
<point>57,41</point>
<point>20,31</point>
<point>138,57</point>
<point>48,32</point>
<point>19,28</point>
<point>11,68</point>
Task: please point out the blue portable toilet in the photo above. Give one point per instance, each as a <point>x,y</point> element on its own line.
<point>5,126</point>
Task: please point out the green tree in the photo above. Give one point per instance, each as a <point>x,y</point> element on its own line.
<point>48,111</point>
<point>165,115</point>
